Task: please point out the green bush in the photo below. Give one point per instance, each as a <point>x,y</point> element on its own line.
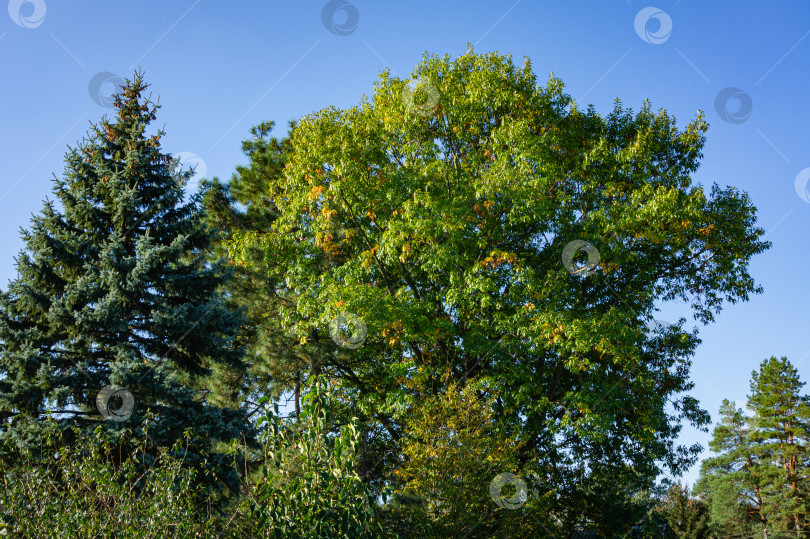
<point>83,491</point>
<point>309,487</point>
<point>303,485</point>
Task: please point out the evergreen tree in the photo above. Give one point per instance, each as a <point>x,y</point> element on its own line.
<point>115,288</point>
<point>241,205</point>
<point>731,480</point>
<point>779,435</point>
<point>761,471</point>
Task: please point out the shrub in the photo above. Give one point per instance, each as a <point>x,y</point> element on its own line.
<point>85,491</point>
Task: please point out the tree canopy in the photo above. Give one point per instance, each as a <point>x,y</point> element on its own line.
<point>450,213</point>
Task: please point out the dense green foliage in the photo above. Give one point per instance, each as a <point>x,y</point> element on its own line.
<point>409,272</point>
<point>84,492</point>
<point>306,487</point>
<point>309,486</point>
<point>688,517</point>
<point>441,223</point>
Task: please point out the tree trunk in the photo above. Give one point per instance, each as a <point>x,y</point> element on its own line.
<point>297,395</point>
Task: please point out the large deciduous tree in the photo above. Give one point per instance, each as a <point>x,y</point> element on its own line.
<point>115,287</point>
<point>441,215</point>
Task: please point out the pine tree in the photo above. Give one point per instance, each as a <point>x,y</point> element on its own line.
<point>731,480</point>
<point>780,435</point>
<point>277,361</point>
<point>761,471</point>
<point>116,288</point>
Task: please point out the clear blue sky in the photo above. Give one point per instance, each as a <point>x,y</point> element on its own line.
<point>220,67</point>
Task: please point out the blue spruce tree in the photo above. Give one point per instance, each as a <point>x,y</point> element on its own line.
<point>117,316</point>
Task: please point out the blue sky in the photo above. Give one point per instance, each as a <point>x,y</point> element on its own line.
<point>220,68</point>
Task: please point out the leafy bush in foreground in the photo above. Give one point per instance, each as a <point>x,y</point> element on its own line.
<point>304,485</point>
<point>81,491</point>
<point>309,486</point>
